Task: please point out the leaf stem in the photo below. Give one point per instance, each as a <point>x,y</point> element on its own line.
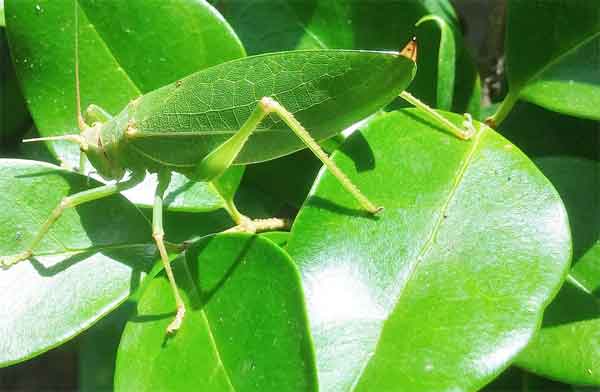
<point>505,107</point>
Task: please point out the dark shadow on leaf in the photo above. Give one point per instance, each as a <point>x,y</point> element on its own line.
<point>571,305</point>
<point>143,262</point>
<point>59,267</point>
<point>205,289</point>
<point>285,30</point>
<point>319,202</point>
<point>360,152</point>
<point>566,150</point>
<point>427,121</point>
<point>152,317</point>
<point>172,195</point>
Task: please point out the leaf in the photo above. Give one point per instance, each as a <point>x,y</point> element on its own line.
<point>441,290</point>
<point>572,86</point>
<point>90,261</point>
<point>280,238</point>
<point>98,350</point>
<point>15,120</point>
<point>185,195</point>
<point>126,49</point>
<point>566,150</point>
<point>446,57</point>
<point>553,64</point>
<point>567,348</point>
<point>515,379</point>
<point>245,327</point>
<point>349,24</point>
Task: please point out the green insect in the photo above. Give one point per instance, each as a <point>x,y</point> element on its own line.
<point>186,127</point>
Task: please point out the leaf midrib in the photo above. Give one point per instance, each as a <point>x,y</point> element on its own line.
<point>209,327</point>
<point>580,285</point>
<point>428,244</point>
<point>103,41</point>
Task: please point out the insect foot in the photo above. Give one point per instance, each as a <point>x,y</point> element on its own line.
<point>176,323</point>
<point>8,261</point>
<point>248,225</point>
<point>469,130</point>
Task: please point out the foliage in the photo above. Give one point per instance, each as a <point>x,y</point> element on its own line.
<point>452,283</point>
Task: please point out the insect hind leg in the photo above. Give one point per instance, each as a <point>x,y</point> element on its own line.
<point>215,163</point>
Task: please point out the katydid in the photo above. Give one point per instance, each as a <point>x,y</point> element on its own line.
<point>186,127</point>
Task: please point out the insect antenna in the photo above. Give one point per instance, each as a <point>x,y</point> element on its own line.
<point>70,138</point>
<point>80,121</point>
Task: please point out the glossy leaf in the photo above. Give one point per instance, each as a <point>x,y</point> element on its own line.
<point>349,24</point>
<point>245,327</point>
<point>97,350</point>
<point>446,61</point>
<point>126,49</point>
<point>553,56</point>
<point>515,379</point>
<point>446,285</point>
<point>14,118</point>
<point>93,257</point>
<point>278,237</point>
<point>566,150</point>
<point>567,347</point>
<point>185,195</point>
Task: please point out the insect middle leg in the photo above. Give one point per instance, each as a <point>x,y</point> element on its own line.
<point>69,202</point>
<point>158,234</point>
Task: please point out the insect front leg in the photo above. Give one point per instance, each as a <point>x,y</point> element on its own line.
<point>158,234</point>
<point>69,202</point>
<point>223,156</point>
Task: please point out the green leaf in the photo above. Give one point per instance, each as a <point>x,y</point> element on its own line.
<point>14,118</point>
<point>553,56</point>
<point>98,350</point>
<point>515,379</point>
<point>185,195</point>
<point>566,151</point>
<point>446,58</point>
<point>245,328</point>
<point>350,24</point>
<point>567,348</point>
<point>126,49</point>
<point>278,237</point>
<point>90,261</point>
<point>441,290</point>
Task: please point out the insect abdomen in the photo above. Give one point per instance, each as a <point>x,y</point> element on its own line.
<point>181,123</point>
